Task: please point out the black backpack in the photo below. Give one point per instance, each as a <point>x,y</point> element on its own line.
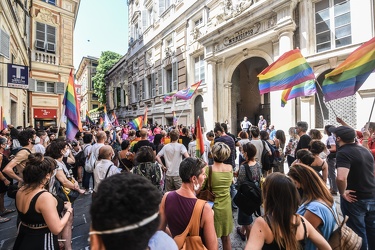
<point>270,161</point>
<point>80,158</point>
<point>249,195</point>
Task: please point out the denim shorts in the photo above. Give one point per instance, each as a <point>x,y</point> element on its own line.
<point>243,219</point>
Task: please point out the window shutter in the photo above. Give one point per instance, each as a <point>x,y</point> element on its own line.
<point>27,29</point>
<point>59,88</point>
<point>4,46</point>
<point>161,7</point>
<point>51,38</point>
<point>143,89</point>
<point>174,76</point>
<point>160,82</point>
<point>153,89</point>
<point>144,20</point>
<point>40,35</point>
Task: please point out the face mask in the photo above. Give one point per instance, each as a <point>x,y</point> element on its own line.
<point>67,153</point>
<point>7,147</point>
<point>113,156</point>
<point>196,187</point>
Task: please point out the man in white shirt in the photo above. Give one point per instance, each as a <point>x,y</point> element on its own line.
<point>172,153</point>
<point>245,125</point>
<point>104,167</point>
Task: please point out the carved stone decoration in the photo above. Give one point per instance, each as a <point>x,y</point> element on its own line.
<point>169,52</point>
<point>242,34</point>
<point>272,21</point>
<point>46,16</point>
<point>196,33</point>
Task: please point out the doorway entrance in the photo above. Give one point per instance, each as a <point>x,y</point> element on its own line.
<point>245,93</point>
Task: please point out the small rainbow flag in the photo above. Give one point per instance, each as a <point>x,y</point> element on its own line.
<point>174,119</point>
<point>101,121</point>
<point>107,123</point>
<point>307,88</point>
<point>349,76</point>
<point>73,123</point>
<point>168,97</point>
<point>199,150</point>
<point>88,119</point>
<point>186,94</point>
<point>136,123</point>
<point>287,71</point>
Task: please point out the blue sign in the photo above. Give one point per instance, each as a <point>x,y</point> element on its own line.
<point>18,76</point>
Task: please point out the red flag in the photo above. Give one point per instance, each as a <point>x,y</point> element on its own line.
<point>145,118</point>
<point>199,141</point>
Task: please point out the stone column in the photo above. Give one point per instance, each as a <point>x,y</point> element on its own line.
<point>114,97</point>
<point>227,111</point>
<point>209,98</point>
<point>283,117</point>
<point>122,95</point>
<point>221,102</point>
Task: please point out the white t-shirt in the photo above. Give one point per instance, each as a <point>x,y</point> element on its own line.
<point>172,153</point>
<point>100,171</point>
<point>259,145</point>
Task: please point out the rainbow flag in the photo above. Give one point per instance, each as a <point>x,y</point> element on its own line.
<point>107,123</point>
<point>145,121</point>
<point>168,97</point>
<point>88,119</point>
<point>186,94</point>
<point>287,71</point>
<point>136,123</point>
<point>114,119</point>
<point>174,118</point>
<point>73,119</point>
<point>349,76</point>
<point>307,88</point>
<point>199,149</point>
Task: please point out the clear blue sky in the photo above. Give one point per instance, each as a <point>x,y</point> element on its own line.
<point>101,25</point>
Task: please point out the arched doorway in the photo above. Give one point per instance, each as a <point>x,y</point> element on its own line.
<point>198,110</point>
<point>245,93</point>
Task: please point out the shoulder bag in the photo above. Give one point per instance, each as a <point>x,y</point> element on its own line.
<point>207,193</point>
<point>190,239</point>
<point>343,237</point>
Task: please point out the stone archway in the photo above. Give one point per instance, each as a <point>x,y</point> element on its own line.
<point>198,110</point>
<point>245,97</point>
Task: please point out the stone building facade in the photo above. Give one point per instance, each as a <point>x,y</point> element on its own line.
<point>51,47</point>
<point>226,44</point>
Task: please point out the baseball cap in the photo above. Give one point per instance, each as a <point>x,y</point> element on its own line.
<point>85,128</point>
<point>118,128</point>
<point>347,134</point>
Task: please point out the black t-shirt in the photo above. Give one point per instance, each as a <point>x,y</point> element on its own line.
<point>230,142</point>
<point>303,142</point>
<point>185,140</point>
<point>142,143</point>
<point>360,163</point>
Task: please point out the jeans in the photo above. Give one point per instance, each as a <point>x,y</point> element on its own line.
<point>361,219</point>
<point>332,173</point>
<point>86,179</point>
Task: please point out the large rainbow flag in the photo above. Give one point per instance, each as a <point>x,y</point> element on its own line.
<point>287,71</point>
<point>187,93</point>
<point>136,123</point>
<point>349,76</point>
<point>73,121</point>
<point>199,149</point>
<point>307,88</point>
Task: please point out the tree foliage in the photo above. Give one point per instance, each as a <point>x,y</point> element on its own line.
<point>106,62</point>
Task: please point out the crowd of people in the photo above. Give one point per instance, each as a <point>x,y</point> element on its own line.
<point>144,184</point>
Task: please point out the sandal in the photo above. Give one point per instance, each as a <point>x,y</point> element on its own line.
<point>3,219</point>
<point>7,211</point>
<point>243,236</point>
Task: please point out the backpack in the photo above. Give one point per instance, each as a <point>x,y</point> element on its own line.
<point>273,159</point>
<point>249,196</point>
<point>266,159</point>
<point>80,158</point>
<point>90,162</point>
<point>150,170</point>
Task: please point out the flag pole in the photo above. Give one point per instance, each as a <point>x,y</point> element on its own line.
<point>329,104</point>
<point>178,118</point>
<point>369,119</point>
<point>61,116</point>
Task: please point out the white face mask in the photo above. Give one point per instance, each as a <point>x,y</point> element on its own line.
<point>67,153</point>
<point>196,187</point>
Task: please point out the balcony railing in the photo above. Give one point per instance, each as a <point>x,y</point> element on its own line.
<point>43,57</point>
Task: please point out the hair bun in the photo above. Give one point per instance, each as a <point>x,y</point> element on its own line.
<point>35,158</point>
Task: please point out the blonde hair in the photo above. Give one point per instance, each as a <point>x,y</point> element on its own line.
<point>220,151</point>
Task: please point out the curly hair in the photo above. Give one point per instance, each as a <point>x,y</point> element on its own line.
<point>26,135</point>
<point>122,200</point>
<point>316,147</point>
<point>54,148</point>
<point>145,154</point>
